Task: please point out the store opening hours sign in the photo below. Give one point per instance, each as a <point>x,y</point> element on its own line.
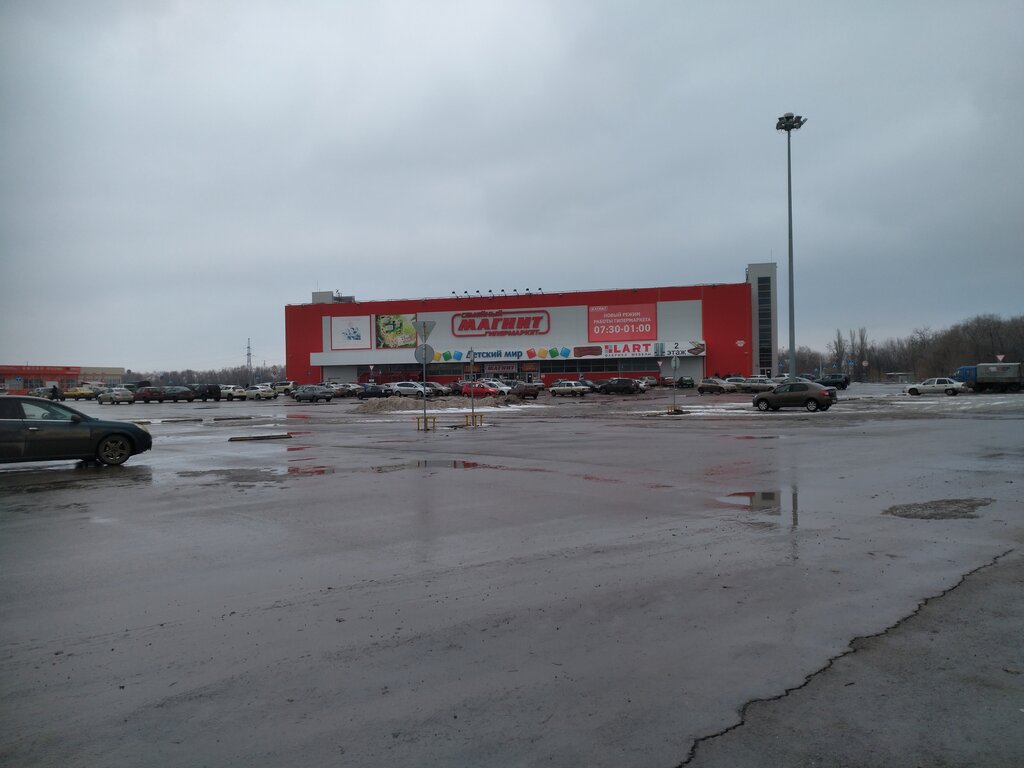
<point>623,322</point>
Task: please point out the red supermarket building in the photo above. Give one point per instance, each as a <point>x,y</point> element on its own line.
<point>18,379</point>
<point>727,328</point>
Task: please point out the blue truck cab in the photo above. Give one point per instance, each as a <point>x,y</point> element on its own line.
<point>967,374</point>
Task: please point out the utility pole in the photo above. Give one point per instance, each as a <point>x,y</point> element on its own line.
<point>789,123</point>
<point>248,359</point>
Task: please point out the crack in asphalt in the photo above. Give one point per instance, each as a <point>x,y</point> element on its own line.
<point>692,753</point>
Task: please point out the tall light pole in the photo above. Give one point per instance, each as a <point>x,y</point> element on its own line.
<point>789,123</point>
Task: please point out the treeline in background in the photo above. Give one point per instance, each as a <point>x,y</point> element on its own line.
<point>923,354</point>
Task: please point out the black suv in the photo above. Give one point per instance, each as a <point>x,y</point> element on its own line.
<point>838,380</point>
<point>523,389</point>
<point>618,386</point>
<point>206,391</point>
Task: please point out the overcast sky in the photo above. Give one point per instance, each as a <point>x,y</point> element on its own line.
<point>172,174</point>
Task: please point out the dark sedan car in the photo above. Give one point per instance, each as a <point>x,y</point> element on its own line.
<point>179,393</point>
<point>373,390</point>
<point>32,429</point>
<point>796,394</point>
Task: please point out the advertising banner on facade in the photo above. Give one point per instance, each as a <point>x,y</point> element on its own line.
<point>350,332</point>
<point>623,322</point>
<point>395,331</point>
<point>522,334</point>
<point>507,322</point>
<point>654,349</point>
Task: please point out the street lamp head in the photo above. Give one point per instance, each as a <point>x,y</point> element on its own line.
<point>789,122</point>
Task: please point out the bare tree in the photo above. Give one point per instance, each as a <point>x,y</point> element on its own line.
<point>837,350</point>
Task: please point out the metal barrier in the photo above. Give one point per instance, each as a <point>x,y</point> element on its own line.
<point>474,419</point>
<point>426,423</point>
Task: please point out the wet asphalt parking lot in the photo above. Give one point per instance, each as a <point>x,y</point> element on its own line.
<point>577,582</point>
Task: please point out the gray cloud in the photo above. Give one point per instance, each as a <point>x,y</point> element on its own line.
<point>173,174</point>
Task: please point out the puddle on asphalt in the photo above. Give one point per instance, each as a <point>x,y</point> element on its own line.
<point>939,509</point>
<point>312,471</point>
<point>432,464</point>
<point>297,467</point>
<point>240,477</point>
<point>752,437</point>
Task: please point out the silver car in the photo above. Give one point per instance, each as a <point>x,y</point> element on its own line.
<point>116,395</point>
<point>757,384</point>
<point>940,386</point>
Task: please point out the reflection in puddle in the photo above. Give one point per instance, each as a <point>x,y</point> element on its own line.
<point>76,477</point>
<point>766,502</point>
<point>756,501</point>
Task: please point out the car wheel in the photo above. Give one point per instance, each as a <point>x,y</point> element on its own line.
<point>913,392</point>
<point>762,405</point>
<point>114,450</point>
<point>811,405</point>
<point>951,392</point>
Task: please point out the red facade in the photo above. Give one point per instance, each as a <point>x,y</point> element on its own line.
<point>725,318</point>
